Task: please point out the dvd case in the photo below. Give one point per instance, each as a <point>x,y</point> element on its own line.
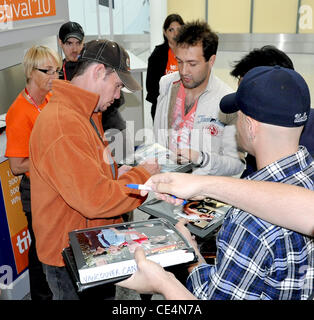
<point>108,252</point>
<point>204,216</point>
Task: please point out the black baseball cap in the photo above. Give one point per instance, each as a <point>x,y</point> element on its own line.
<point>272,95</point>
<point>112,55</point>
<point>71,30</point>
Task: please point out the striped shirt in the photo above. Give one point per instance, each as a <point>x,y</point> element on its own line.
<point>258,260</point>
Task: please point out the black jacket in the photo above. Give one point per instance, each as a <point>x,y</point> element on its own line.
<point>157,63</point>
<point>69,70</point>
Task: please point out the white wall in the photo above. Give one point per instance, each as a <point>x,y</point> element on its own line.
<point>130,16</point>
<point>13,54</point>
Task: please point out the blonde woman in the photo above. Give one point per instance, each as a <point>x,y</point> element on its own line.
<point>41,66</point>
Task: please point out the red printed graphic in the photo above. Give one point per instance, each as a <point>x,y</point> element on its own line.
<point>212,130</point>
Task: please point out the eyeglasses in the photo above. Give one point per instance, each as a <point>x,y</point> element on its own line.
<point>50,72</point>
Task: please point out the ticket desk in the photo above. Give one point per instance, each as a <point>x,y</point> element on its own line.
<point>14,237</point>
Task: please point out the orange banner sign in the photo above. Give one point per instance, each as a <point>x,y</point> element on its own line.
<point>14,10</point>
<point>20,244</point>
<point>17,223</point>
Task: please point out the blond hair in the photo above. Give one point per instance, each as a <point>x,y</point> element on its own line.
<point>37,55</point>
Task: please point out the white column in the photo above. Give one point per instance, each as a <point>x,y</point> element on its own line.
<point>158,14</point>
<point>111,19</point>
<point>98,19</point>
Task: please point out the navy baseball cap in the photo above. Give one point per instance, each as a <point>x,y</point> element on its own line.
<point>272,95</point>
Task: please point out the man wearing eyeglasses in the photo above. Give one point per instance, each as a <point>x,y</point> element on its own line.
<point>41,66</point>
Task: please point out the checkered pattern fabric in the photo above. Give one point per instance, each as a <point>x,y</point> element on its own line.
<point>258,260</point>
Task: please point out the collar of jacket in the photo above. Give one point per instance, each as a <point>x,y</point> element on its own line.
<point>164,45</point>
<point>76,98</point>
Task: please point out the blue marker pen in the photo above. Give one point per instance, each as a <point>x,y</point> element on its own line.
<point>139,187</point>
<point>147,188</point>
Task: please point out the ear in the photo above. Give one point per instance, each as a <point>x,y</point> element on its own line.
<point>30,76</point>
<point>253,126</point>
<point>212,60</point>
<point>99,71</point>
<point>60,42</point>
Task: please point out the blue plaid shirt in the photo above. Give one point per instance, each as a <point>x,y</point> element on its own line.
<point>258,260</point>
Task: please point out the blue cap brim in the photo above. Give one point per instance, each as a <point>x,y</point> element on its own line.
<point>228,103</point>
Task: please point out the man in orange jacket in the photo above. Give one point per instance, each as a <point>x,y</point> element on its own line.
<point>75,180</point>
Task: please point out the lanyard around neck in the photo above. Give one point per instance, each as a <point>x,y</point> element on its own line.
<point>64,73</point>
<point>32,100</point>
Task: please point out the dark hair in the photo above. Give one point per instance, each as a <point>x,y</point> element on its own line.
<point>196,32</point>
<point>82,65</point>
<point>265,56</point>
<point>172,18</point>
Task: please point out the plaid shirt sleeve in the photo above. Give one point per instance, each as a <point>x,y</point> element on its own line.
<point>258,260</point>
<point>240,269</point>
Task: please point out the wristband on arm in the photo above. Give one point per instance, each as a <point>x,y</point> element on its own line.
<point>203,159</point>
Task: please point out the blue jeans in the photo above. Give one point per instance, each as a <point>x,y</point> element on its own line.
<point>60,283</point>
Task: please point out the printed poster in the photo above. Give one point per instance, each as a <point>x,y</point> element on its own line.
<point>15,218</point>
